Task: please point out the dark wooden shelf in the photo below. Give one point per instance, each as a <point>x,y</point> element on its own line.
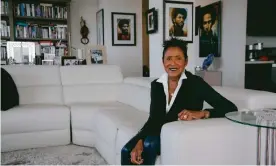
<point>40,19</point>
<point>5,38</point>
<point>44,1</point>
<point>39,39</point>
<point>4,16</point>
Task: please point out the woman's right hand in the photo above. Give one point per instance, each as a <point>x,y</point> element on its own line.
<point>136,153</point>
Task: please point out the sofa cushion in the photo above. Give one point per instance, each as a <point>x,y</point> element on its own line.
<point>37,84</point>
<point>90,74</point>
<point>9,93</point>
<point>90,93</point>
<point>83,115</point>
<point>135,96</point>
<point>113,119</point>
<point>248,99</point>
<point>32,118</point>
<point>140,81</point>
<point>91,83</point>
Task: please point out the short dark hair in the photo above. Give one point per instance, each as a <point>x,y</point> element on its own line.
<point>174,42</point>
<point>122,22</point>
<point>176,11</point>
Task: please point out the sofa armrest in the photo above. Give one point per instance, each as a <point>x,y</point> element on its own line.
<point>208,142</point>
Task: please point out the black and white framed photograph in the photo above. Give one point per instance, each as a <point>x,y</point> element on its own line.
<point>47,62</point>
<point>96,55</point>
<point>69,60</point>
<point>100,27</point>
<point>151,21</point>
<point>178,21</point>
<point>197,19</point>
<point>210,30</point>
<point>123,29</point>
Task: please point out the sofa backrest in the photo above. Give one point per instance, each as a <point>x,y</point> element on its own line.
<point>135,91</point>
<point>248,99</point>
<point>37,84</point>
<point>90,83</point>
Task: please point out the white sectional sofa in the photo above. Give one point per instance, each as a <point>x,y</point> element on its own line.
<point>95,106</point>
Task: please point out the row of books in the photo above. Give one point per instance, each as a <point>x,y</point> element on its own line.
<point>4,7</point>
<point>29,30</point>
<point>41,10</point>
<point>5,29</point>
<point>3,52</point>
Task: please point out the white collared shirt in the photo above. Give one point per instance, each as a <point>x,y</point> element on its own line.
<point>164,80</point>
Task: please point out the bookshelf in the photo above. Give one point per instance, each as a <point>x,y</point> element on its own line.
<point>45,22</point>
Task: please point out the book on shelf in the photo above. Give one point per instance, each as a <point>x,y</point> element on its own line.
<point>30,30</point>
<point>3,52</point>
<point>44,10</point>
<point>4,7</point>
<point>5,29</point>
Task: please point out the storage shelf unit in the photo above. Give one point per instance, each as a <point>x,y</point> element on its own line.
<point>37,21</point>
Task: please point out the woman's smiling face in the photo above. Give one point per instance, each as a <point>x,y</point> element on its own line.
<point>174,62</point>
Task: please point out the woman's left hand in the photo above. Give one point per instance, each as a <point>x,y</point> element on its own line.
<point>191,115</point>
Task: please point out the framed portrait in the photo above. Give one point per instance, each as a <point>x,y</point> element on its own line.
<point>69,60</point>
<point>100,27</point>
<point>151,21</point>
<point>178,21</point>
<point>123,29</point>
<point>210,30</point>
<point>96,55</point>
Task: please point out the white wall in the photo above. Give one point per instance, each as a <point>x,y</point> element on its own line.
<point>87,9</point>
<point>128,57</point>
<point>232,59</point>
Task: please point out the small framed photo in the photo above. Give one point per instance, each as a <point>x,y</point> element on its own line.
<point>152,21</point>
<point>69,60</point>
<point>96,55</point>
<point>47,62</point>
<point>123,29</point>
<point>178,20</point>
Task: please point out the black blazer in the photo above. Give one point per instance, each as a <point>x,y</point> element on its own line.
<point>191,95</point>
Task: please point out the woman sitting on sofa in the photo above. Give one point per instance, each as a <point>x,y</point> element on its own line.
<point>176,95</point>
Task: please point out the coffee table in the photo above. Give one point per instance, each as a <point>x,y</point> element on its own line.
<point>262,119</point>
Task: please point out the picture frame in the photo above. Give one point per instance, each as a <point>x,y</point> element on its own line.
<point>68,60</point>
<point>210,32</point>
<point>123,29</point>
<point>197,19</point>
<point>47,62</point>
<point>100,27</point>
<point>151,21</point>
<point>21,52</point>
<point>96,54</point>
<point>181,28</point>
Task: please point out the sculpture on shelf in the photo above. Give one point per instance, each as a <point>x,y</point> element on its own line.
<point>84,32</point>
<point>208,61</point>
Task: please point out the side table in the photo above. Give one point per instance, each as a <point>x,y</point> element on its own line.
<point>265,119</point>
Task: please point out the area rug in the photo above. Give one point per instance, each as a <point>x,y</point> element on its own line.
<point>59,155</point>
